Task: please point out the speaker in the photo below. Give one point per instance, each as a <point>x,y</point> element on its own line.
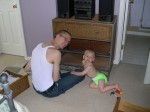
<point>65,8</point>
<point>106,10</point>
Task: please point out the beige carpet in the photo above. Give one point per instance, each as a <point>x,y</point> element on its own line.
<point>83,99</point>
<point>11,60</point>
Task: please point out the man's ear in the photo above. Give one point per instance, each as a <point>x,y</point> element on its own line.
<point>57,36</point>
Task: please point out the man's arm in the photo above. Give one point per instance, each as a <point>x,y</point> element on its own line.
<point>56,68</point>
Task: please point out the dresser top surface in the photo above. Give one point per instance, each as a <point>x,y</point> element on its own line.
<point>94,20</point>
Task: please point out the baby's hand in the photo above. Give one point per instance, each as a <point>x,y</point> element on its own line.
<point>72,72</point>
<point>83,62</point>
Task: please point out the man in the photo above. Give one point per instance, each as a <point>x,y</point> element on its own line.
<point>44,65</point>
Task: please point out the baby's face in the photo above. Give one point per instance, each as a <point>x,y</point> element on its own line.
<point>88,57</point>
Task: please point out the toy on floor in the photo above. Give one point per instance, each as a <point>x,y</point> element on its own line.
<point>119,92</point>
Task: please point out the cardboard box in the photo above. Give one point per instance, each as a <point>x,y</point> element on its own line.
<point>19,85</point>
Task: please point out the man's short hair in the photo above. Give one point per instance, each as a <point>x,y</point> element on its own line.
<point>61,32</point>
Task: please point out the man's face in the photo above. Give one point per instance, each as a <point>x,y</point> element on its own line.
<point>64,40</point>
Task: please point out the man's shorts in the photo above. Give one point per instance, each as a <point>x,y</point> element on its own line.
<point>99,77</point>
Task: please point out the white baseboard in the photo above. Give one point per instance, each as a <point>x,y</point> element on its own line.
<point>138,33</point>
<point>144,29</point>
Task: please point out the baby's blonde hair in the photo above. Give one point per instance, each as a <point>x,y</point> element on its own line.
<point>90,51</point>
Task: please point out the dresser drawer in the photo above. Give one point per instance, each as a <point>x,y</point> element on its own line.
<point>78,45</point>
<point>57,26</point>
<point>101,47</point>
<point>85,30</point>
<point>82,44</point>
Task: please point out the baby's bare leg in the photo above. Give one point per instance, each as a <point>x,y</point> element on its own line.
<point>93,85</point>
<point>103,87</point>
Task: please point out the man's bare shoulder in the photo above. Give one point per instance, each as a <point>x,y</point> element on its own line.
<point>53,55</point>
<point>53,51</point>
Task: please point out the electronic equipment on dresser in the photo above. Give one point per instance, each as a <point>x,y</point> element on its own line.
<point>106,10</point>
<point>65,8</point>
<point>84,9</point>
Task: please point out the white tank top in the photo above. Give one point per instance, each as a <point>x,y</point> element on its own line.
<point>41,69</point>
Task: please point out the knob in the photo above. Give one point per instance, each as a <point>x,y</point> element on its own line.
<point>15,6</point>
<point>4,77</point>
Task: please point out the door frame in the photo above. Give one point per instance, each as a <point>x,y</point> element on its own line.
<point>121,30</point>
<point>21,29</point>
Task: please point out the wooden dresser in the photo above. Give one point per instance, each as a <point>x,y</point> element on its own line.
<point>88,34</point>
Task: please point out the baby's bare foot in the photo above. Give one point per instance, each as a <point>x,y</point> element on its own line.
<point>118,87</point>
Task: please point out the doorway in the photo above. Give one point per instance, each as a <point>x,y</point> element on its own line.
<point>137,42</point>
<point>145,19</point>
<point>139,17</point>
<point>11,30</point>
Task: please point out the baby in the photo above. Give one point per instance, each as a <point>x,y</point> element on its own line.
<point>99,80</point>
